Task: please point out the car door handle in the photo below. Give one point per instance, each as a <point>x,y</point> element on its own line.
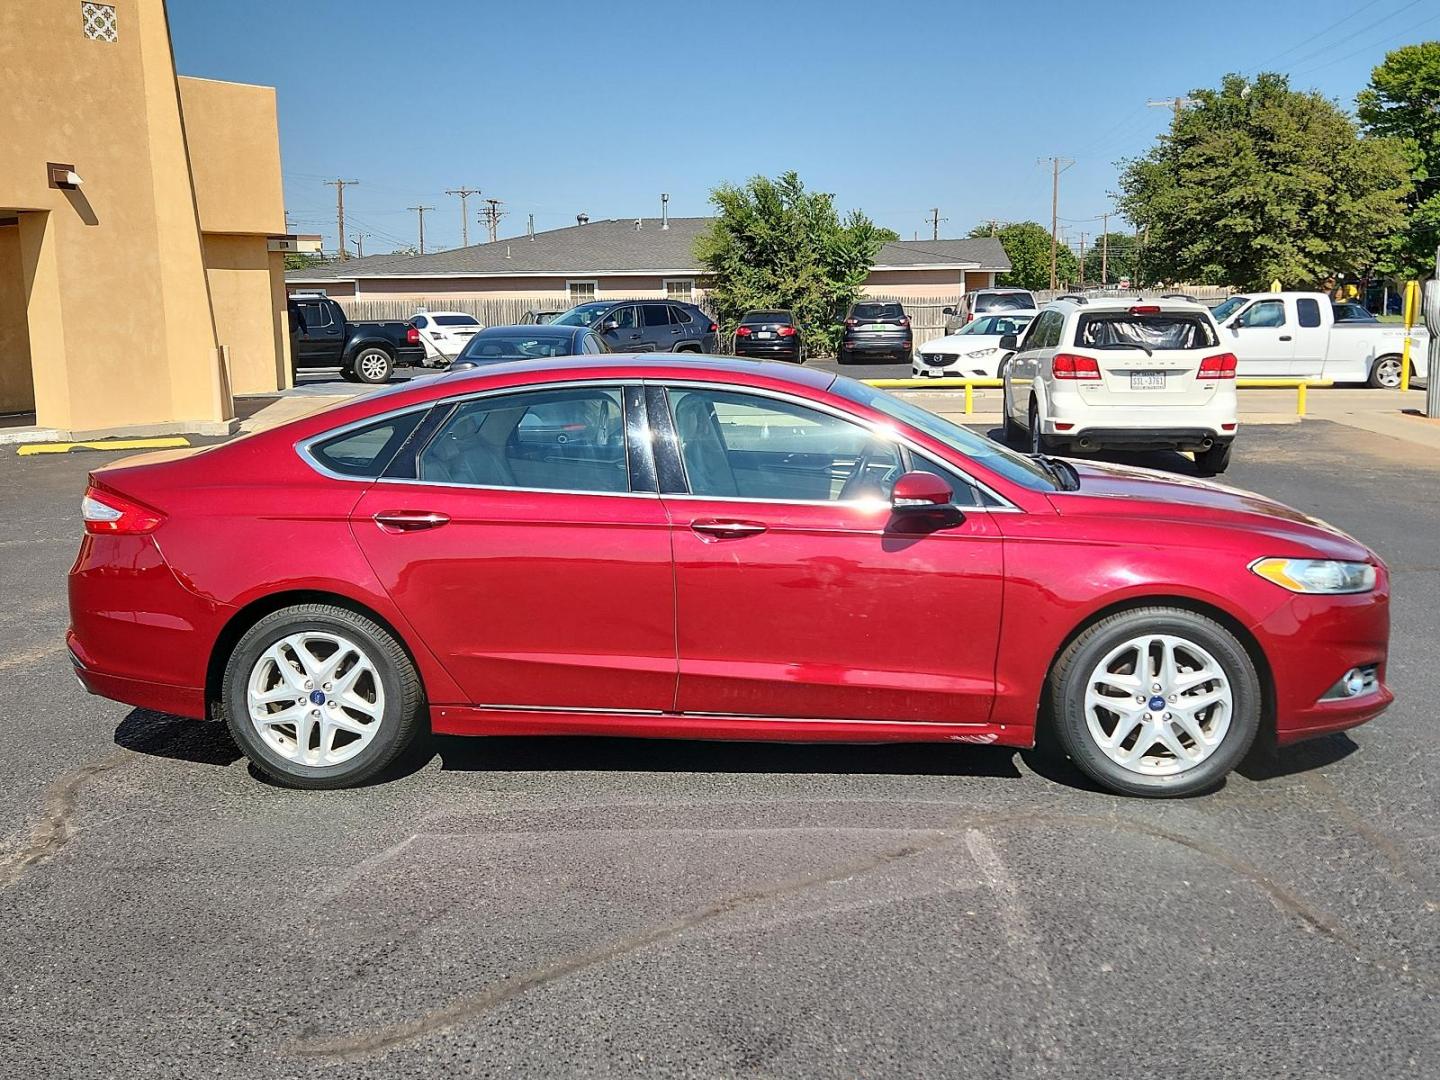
<point>410,520</point>
<point>724,529</point>
<point>675,330</point>
<point>1284,337</point>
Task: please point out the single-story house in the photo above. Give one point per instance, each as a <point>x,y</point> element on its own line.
<point>624,257</point>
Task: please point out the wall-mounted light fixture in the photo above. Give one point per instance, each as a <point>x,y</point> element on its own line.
<point>63,176</point>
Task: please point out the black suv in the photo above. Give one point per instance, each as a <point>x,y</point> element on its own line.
<point>875,327</point>
<point>646,325</point>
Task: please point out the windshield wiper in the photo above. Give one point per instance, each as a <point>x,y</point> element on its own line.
<point>1062,472</point>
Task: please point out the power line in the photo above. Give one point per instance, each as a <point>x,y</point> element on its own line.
<point>1350,40</point>
<point>493,214</point>
<point>1319,34</point>
<point>464,193</point>
<point>420,210</point>
<point>340,186</point>
<point>1409,32</point>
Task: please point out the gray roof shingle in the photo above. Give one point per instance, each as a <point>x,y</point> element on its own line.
<point>616,245</point>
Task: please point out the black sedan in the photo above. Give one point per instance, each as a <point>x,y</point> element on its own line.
<point>498,344</point>
<point>769,334</point>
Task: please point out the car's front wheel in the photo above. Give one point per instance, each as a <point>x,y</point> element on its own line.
<point>1155,701</point>
<point>319,696</point>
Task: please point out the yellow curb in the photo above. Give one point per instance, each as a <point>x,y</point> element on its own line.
<point>110,444</point>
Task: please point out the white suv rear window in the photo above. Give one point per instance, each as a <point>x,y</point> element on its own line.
<point>1121,330</point>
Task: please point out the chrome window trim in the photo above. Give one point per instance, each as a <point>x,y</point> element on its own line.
<point>306,447</point>
<point>889,431</point>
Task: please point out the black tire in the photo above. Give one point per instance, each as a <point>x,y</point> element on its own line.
<point>372,364</point>
<point>842,356</point>
<point>1038,443</point>
<point>1010,432</point>
<point>400,723</point>
<point>348,374</point>
<point>1066,691</point>
<point>1214,461</point>
<point>1385,372</point>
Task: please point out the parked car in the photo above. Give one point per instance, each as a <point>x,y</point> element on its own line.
<point>988,302</point>
<point>498,344</point>
<point>876,328</point>
<point>321,336</point>
<point>1352,312</point>
<point>772,335</point>
<point>715,549</point>
<point>1102,374</point>
<point>444,334</point>
<point>973,351</point>
<point>646,325</point>
<point>1296,335</point>
<point>534,316</point>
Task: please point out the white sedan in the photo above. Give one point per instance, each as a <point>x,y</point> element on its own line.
<point>973,351</point>
<point>444,334</point>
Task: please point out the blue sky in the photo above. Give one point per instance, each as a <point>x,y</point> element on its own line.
<point>561,107</point>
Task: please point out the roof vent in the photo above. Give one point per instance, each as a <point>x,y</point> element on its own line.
<point>664,210</point>
<point>582,219</point>
<point>507,251</point>
<point>638,223</point>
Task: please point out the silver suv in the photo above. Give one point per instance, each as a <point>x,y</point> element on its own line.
<point>995,301</point>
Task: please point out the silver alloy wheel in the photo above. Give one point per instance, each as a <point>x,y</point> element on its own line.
<point>1387,372</point>
<point>1158,705</point>
<point>373,365</point>
<point>315,698</point>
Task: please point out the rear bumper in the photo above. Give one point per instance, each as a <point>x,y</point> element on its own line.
<point>783,349</point>
<point>1144,439</point>
<point>158,697</point>
<point>877,344</point>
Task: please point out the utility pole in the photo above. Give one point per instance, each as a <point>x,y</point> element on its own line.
<point>421,211</point>
<point>1105,248</point>
<point>935,220</point>
<point>1057,166</point>
<point>360,246</point>
<point>1176,103</point>
<point>493,214</point>
<point>993,226</point>
<point>340,186</point>
<point>1082,259</point>
<point>464,193</point>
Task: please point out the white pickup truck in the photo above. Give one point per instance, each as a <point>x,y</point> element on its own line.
<point>1295,335</point>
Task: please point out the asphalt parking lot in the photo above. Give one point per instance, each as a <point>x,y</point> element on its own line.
<point>578,907</point>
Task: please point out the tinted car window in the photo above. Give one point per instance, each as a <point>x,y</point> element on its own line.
<point>589,343</point>
<point>1004,301</point>
<point>1352,313</point>
<point>752,317</point>
<point>514,343</point>
<point>876,311</point>
<point>367,450</point>
<point>1307,311</point>
<point>740,446</point>
<point>1226,308</point>
<point>420,322</point>
<point>624,317</point>
<point>559,440</point>
<point>655,314</point>
<point>313,316</point>
<point>1265,313</point>
<point>680,314</point>
<point>1121,330</point>
<point>456,320</point>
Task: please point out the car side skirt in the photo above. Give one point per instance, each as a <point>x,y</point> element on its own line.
<point>511,720</point>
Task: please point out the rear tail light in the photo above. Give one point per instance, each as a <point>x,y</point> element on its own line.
<point>714,328</point>
<point>742,331</point>
<point>1070,366</point>
<point>1221,366</point>
<point>1145,309</point>
<point>968,319</point>
<point>412,336</point>
<point>852,322</point>
<point>106,512</point>
<point>786,331</point>
<point>905,320</point>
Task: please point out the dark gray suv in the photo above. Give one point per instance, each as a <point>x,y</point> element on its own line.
<point>646,325</point>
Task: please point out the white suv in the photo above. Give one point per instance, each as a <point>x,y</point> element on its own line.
<point>1091,374</point>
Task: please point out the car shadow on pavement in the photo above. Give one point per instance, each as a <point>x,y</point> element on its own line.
<point>201,741</point>
<point>1268,763</point>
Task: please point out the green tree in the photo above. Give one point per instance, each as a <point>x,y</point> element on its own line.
<point>1027,246</point>
<point>1118,258</point>
<point>775,245</point>
<point>304,260</point>
<point>1257,181</point>
<point>1403,102</point>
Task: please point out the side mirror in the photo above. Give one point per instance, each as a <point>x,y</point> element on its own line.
<point>1233,324</point>
<point>920,491</point>
<point>947,311</point>
<point>1010,342</point>
<point>609,325</point>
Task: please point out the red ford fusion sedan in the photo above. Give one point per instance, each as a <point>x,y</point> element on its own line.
<point>713,549</point>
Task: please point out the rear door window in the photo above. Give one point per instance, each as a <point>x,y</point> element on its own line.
<point>655,314</point>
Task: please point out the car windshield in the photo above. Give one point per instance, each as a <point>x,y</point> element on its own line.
<point>1121,330</point>
<point>1017,468</point>
<point>996,325</point>
<point>584,315</point>
<point>1226,308</point>
<point>455,320</point>
<point>516,344</point>
<point>1021,301</point>
<point>876,311</point>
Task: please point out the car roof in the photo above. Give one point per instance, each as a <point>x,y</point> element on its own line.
<point>1001,288</point>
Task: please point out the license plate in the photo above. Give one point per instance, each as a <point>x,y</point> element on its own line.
<point>1147,380</point>
<point>764,334</point>
<point>875,326</point>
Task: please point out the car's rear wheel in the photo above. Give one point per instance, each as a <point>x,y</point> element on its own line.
<point>319,696</point>
<point>1155,701</point>
<point>1038,442</point>
<point>373,365</point>
<point>1385,372</point>
<point>1214,461</point>
<point>842,356</point>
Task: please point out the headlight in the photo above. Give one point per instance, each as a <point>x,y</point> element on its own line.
<point>1317,575</point>
<point>982,352</point>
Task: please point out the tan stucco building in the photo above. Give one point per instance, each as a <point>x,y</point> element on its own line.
<point>138,210</point>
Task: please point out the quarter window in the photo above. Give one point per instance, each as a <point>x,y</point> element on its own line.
<point>556,440</point>
<point>366,451</point>
<point>740,446</point>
